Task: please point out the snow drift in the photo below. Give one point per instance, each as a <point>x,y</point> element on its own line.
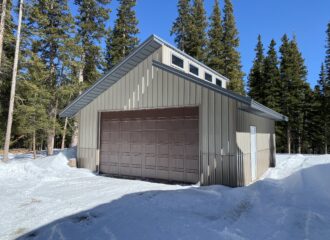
<point>46,199</point>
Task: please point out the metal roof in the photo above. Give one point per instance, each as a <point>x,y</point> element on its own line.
<point>150,45</point>
<point>116,73</point>
<point>250,105</point>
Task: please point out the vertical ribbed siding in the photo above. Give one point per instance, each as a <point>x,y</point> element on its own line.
<point>223,128</point>
<point>265,145</point>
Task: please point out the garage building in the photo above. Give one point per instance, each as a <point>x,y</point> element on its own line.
<point>161,114</point>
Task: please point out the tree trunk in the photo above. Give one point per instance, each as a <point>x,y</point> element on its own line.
<point>299,144</point>
<point>13,85</point>
<point>289,138</point>
<point>64,133</point>
<point>2,25</point>
<point>51,133</point>
<point>34,145</point>
<point>74,138</point>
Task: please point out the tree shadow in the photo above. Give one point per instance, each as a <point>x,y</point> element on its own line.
<point>210,212</point>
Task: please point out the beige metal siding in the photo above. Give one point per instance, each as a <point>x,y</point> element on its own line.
<point>145,87</point>
<point>224,134</point>
<point>265,145</point>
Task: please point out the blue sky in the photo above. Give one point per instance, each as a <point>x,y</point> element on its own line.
<point>306,19</point>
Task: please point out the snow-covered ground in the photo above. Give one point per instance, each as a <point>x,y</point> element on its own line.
<point>46,199</point>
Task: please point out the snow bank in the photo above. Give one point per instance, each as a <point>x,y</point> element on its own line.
<point>291,202</point>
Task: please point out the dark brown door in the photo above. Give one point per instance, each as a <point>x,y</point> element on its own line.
<point>159,143</point>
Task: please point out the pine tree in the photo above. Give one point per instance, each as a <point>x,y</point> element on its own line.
<point>31,117</point>
<point>326,92</point>
<point>122,39</point>
<point>293,79</point>
<point>255,78</point>
<point>215,58</point>
<point>52,24</point>
<point>271,87</point>
<point>197,43</point>
<point>91,20</point>
<point>231,55</point>
<point>182,25</point>
<point>315,132</point>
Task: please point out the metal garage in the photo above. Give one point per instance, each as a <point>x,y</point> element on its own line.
<point>159,143</point>
<point>151,116</point>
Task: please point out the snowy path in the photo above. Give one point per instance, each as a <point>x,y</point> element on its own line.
<point>45,199</point>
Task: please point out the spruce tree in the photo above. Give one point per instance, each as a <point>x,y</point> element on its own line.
<point>182,26</point>
<point>255,78</point>
<point>326,92</point>
<point>293,79</point>
<point>31,117</point>
<point>271,87</point>
<point>123,38</point>
<point>52,24</point>
<point>215,58</point>
<point>91,20</point>
<point>197,43</point>
<point>231,55</point>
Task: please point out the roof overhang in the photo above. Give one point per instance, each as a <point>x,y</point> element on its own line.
<point>116,73</point>
<point>141,53</point>
<point>249,105</point>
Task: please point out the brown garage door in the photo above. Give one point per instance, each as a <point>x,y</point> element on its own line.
<point>159,143</point>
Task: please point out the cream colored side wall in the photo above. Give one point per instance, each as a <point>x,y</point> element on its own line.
<point>265,144</point>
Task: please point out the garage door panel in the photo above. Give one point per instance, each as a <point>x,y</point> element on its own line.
<point>178,137</point>
<point>136,160</point>
<point>125,126</point>
<point>150,149</point>
<point>136,125</point>
<point>124,170</point>
<point>163,137</point>
<point>190,137</point>
<point>190,124</point>
<point>149,173</point>
<point>150,161</point>
<point>162,163</point>
<point>177,164</point>
<point>105,136</point>
<point>149,124</point>
<point>162,149</point>
<point>137,148</point>
<point>191,165</point>
<point>136,137</point>
<point>191,151</point>
<point>177,176</point>
<point>177,150</point>
<point>162,174</point>
<point>163,124</point>
<point>124,147</point>
<point>160,143</point>
<point>191,177</point>
<point>124,137</point>
<point>113,125</point>
<point>136,171</point>
<point>149,137</point>
<point>125,159</point>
